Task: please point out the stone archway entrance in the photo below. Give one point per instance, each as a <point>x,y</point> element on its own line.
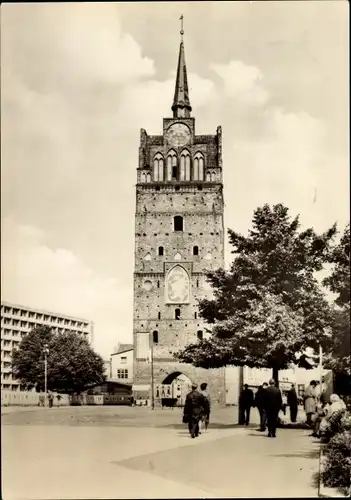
<point>180,386</point>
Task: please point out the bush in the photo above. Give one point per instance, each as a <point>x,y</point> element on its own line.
<point>336,471</point>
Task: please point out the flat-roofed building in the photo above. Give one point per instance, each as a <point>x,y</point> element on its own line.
<point>18,320</point>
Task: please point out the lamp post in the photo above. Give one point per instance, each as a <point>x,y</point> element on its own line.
<point>46,352</point>
<point>152,371</point>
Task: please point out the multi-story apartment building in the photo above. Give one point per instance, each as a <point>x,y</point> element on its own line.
<point>18,320</point>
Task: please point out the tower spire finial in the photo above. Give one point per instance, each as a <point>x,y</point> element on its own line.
<point>181,103</point>
<point>181,26</point>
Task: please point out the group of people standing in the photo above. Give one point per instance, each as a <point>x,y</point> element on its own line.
<point>197,410</point>
<point>269,401</point>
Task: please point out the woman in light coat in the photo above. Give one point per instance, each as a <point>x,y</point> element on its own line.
<point>310,399</point>
<point>336,404</point>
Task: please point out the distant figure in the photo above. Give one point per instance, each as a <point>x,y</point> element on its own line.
<point>207,410</point>
<point>41,400</point>
<point>292,402</point>
<point>310,401</point>
<point>259,403</point>
<point>195,405</point>
<point>246,401</point>
<point>58,399</point>
<point>272,406</point>
<point>50,399</point>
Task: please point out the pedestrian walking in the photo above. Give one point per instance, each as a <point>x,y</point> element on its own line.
<point>205,419</point>
<point>246,401</point>
<point>259,403</point>
<point>310,398</point>
<point>272,406</point>
<point>195,405</point>
<point>292,402</point>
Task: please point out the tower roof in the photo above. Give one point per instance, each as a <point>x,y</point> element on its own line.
<point>181,102</point>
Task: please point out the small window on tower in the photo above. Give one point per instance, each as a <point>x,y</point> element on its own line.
<point>177,314</point>
<point>155,337</point>
<point>174,173</point>
<point>200,335</point>
<point>195,315</point>
<point>159,315</point>
<point>196,250</point>
<point>178,223</point>
<point>160,250</point>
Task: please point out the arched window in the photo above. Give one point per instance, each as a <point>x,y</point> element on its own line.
<point>178,223</point>
<point>160,251</point>
<point>155,337</point>
<point>208,177</point>
<point>195,315</point>
<point>185,166</point>
<point>172,166</point>
<point>200,335</point>
<point>143,177</point>
<point>196,250</point>
<point>198,174</point>
<point>177,314</point>
<point>213,177</point>
<point>148,177</point>
<point>159,315</point>
<point>177,256</point>
<point>158,167</point>
<point>177,286</point>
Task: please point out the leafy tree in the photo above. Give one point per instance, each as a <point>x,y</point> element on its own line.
<point>269,306</point>
<point>72,363</point>
<point>338,357</point>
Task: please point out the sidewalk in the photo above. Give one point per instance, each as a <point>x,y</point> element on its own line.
<point>153,460</point>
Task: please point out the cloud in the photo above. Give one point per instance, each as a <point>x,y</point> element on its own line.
<point>38,276</point>
<point>242,82</point>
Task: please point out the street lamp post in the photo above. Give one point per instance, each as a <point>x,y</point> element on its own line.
<point>46,352</point>
<point>152,370</point>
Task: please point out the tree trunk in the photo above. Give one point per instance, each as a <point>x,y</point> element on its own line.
<point>275,375</point>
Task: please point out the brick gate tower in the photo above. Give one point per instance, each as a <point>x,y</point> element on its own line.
<point>179,235</point>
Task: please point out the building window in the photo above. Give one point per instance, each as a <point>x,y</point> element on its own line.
<point>195,315</point>
<point>171,165</point>
<point>158,168</point>
<point>122,373</point>
<point>197,283</point>
<point>159,315</point>
<point>185,166</point>
<point>123,360</point>
<point>177,314</point>
<point>158,284</point>
<point>198,172</point>
<point>160,251</point>
<point>178,223</point>
<point>200,335</point>
<point>155,337</point>
<point>196,250</point>
<point>148,177</point>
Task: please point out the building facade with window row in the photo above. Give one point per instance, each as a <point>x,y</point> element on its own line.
<point>179,237</point>
<point>18,320</point>
<point>121,363</point>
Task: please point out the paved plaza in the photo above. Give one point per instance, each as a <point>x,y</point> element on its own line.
<point>123,452</point>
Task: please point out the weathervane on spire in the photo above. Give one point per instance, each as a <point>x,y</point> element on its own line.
<point>181,26</point>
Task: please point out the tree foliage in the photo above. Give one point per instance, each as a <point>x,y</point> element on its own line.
<point>269,306</point>
<point>72,365</point>
<point>338,358</point>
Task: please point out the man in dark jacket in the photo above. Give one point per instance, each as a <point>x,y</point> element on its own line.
<point>194,408</point>
<point>259,403</point>
<point>272,406</point>
<point>246,401</point>
<point>292,403</point>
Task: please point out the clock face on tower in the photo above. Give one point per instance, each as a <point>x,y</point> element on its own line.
<point>178,135</point>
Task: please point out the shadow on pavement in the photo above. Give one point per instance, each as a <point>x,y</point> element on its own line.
<point>314,454</point>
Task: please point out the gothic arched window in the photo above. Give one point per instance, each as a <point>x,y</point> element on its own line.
<point>200,335</point>
<point>148,177</point>
<point>213,177</point>
<point>198,174</point>
<point>155,337</point>
<point>158,167</point>
<point>177,314</point>
<point>172,166</point>
<point>178,286</point>
<point>208,177</point>
<point>143,177</point>
<point>185,166</point>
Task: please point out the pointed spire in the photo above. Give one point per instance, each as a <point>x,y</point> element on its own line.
<point>181,102</point>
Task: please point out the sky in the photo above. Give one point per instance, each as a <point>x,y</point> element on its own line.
<point>78,81</point>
